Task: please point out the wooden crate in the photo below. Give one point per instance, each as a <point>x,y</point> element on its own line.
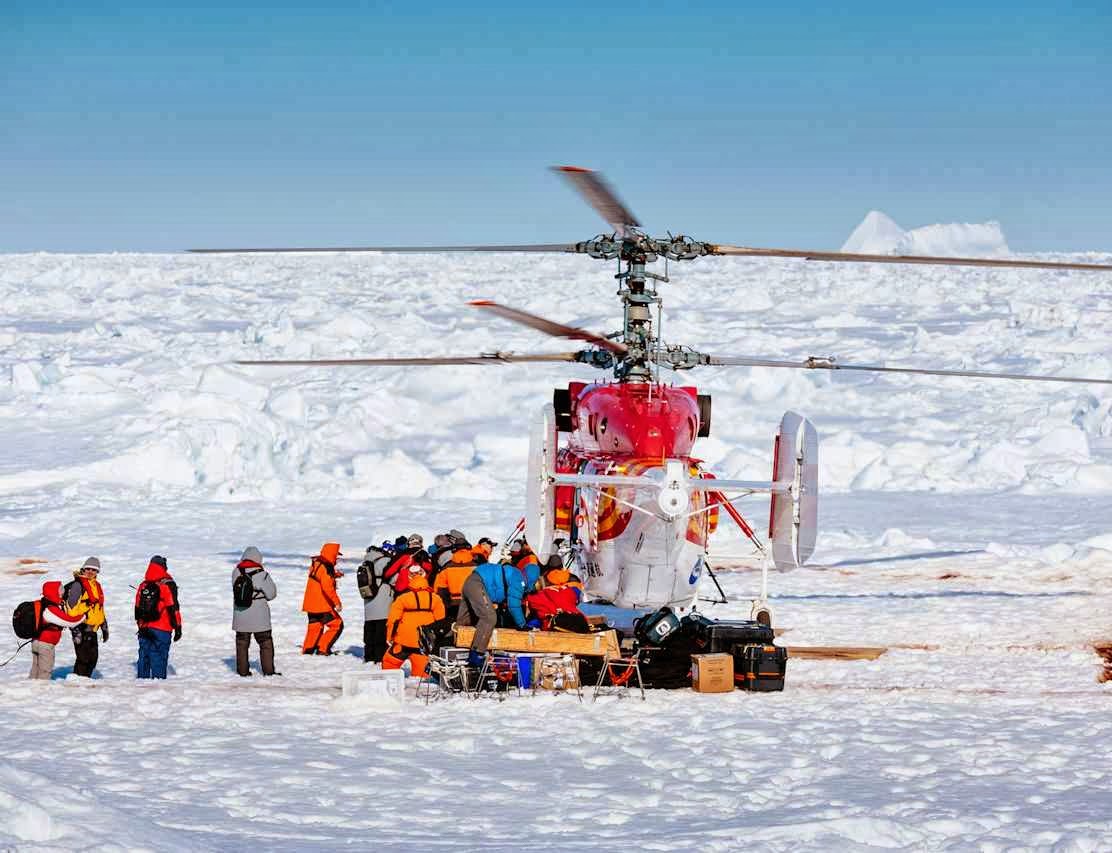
<point>508,640</point>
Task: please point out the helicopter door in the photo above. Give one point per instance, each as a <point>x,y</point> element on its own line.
<point>540,493</point>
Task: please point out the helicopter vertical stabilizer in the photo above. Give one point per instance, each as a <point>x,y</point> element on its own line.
<point>793,515</point>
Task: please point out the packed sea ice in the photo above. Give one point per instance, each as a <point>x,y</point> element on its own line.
<point>966,524</point>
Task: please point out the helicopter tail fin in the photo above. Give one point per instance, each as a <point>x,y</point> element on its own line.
<point>793,515</point>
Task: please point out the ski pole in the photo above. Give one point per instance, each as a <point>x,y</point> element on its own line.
<point>16,652</point>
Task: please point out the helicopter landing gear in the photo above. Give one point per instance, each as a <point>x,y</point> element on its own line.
<point>761,612</point>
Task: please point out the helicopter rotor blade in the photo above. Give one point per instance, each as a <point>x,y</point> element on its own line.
<point>550,327</point>
<point>595,190</point>
<point>807,255</point>
<point>830,363</point>
<point>411,250</point>
<point>484,358</point>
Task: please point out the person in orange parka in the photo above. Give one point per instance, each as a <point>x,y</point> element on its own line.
<point>321,603</point>
<point>449,580</point>
<point>412,610</point>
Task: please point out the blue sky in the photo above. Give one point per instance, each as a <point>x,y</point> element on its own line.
<point>156,126</point>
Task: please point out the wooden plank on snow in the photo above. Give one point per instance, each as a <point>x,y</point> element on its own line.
<point>836,652</point>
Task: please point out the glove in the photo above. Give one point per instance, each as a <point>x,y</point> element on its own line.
<point>177,633</point>
<point>104,632</point>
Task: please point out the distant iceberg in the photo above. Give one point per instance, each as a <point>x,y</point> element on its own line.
<point>878,234</point>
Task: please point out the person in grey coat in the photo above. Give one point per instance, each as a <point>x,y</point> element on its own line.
<point>377,595</point>
<point>255,617</point>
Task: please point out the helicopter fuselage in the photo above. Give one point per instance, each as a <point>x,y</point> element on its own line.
<point>629,554</point>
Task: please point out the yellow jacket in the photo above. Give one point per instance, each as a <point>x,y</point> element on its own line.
<point>85,597</point>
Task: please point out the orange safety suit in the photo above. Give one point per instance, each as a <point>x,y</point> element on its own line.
<point>413,609</point>
<point>322,604</point>
<point>449,580</point>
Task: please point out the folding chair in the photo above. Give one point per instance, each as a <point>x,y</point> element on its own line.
<point>502,667</point>
<point>620,671</point>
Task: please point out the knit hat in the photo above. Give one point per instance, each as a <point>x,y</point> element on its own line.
<point>251,554</point>
<point>401,543</point>
<point>415,540</point>
<point>555,561</point>
<point>91,563</point>
<point>456,536</point>
<point>159,561</point>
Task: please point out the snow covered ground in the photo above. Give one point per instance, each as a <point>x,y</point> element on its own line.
<point>966,523</point>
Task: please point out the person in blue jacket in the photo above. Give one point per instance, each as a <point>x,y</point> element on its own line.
<point>490,585</point>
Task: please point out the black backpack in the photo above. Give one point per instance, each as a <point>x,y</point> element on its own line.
<point>243,588</point>
<point>27,619</point>
<point>147,605</point>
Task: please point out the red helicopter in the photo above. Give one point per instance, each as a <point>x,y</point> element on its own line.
<point>625,491</point>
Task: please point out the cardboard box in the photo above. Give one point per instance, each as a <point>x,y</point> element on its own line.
<point>557,673</point>
<point>712,673</point>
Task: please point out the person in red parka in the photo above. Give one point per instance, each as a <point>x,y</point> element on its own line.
<point>53,618</point>
<point>557,605</point>
<point>157,614</point>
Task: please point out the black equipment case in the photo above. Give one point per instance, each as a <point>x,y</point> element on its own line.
<point>709,636</point>
<point>654,629</point>
<point>759,667</point>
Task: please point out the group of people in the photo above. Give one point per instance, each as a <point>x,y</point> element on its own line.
<point>412,595</point>
<point>79,606</point>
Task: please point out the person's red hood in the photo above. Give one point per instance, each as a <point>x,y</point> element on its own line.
<point>155,572</point>
<point>248,564</point>
<point>52,591</point>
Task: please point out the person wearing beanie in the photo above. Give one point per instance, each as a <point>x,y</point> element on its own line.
<point>253,618</point>
<point>321,603</point>
<point>442,557</point>
<point>158,615</point>
<point>377,597</point>
<point>84,596</point>
<point>53,618</point>
<point>406,551</point>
